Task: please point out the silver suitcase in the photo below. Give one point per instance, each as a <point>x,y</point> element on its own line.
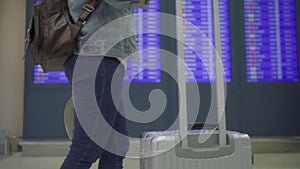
<point>197,149</point>
<point>163,150</point>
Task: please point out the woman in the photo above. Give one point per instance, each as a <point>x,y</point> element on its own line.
<point>84,150</point>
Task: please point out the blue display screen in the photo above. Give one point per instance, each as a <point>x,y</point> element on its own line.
<point>200,14</point>
<point>271,41</point>
<point>49,78</point>
<point>147,71</point>
<point>148,46</point>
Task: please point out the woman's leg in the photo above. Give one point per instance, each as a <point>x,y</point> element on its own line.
<point>109,160</point>
<point>83,151</point>
<point>116,147</point>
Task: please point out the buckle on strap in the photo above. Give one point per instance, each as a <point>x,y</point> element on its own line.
<point>80,22</point>
<point>88,8</point>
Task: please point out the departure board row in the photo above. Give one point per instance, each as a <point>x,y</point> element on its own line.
<point>271,41</point>
<point>147,70</point>
<point>200,51</point>
<point>48,78</point>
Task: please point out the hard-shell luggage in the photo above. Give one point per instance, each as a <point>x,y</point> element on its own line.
<point>163,150</point>
<point>197,149</point>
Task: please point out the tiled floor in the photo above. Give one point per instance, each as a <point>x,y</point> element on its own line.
<point>262,161</point>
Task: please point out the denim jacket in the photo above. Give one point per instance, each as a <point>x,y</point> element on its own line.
<point>105,13</point>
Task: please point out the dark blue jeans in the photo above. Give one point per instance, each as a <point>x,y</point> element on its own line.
<point>83,150</point>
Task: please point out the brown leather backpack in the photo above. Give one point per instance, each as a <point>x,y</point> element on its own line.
<point>52,32</point>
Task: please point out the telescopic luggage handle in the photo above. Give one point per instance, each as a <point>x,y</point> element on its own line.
<point>220,91</point>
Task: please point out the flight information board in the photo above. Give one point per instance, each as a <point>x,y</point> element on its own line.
<point>200,14</point>
<point>271,44</point>
<point>48,78</point>
<point>148,45</point>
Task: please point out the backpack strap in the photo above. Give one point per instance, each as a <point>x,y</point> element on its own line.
<point>87,10</point>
